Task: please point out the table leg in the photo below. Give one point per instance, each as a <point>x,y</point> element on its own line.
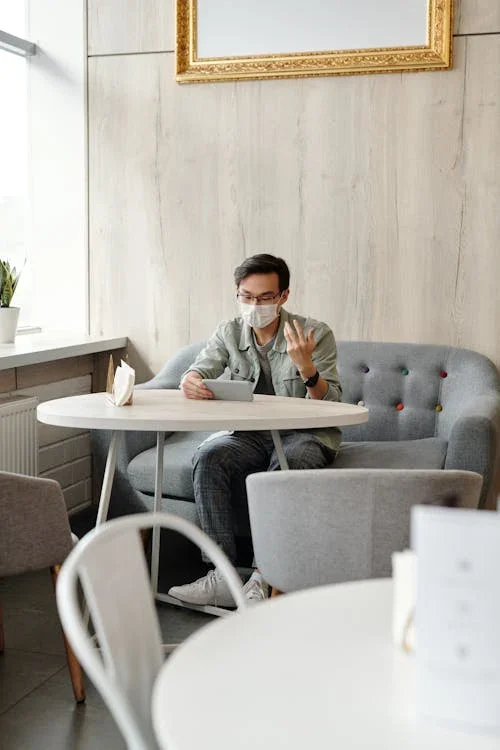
<point>160,442</point>
<point>155,553</point>
<point>279,449</point>
<point>107,482</point>
<point>207,609</point>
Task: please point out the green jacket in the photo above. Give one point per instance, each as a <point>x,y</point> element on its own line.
<point>232,346</point>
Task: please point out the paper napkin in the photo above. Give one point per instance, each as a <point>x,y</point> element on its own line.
<point>121,388</point>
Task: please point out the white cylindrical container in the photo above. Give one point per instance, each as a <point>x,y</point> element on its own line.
<point>8,324</point>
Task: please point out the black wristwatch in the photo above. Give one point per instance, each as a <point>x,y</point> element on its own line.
<point>311,382</point>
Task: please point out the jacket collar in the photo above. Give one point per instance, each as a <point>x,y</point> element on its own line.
<point>246,338</point>
<point>280,341</point>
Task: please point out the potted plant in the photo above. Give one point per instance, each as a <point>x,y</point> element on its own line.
<point>9,277</point>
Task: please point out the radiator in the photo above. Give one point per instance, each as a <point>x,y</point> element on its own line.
<point>18,434</point>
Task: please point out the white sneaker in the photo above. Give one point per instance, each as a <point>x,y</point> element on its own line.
<point>210,589</point>
<point>255,590</point>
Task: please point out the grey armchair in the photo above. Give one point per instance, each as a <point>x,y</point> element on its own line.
<point>35,534</point>
<point>315,527</point>
<point>431,407</point>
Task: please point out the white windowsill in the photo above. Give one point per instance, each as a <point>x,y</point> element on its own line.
<point>34,348</point>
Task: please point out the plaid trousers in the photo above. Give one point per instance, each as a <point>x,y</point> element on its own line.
<point>222,463</point>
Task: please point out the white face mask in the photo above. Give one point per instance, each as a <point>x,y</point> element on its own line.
<point>259,316</point>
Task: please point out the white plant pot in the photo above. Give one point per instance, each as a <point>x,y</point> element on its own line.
<point>8,324</point>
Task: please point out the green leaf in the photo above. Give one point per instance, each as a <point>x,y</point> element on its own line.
<point>8,282</point>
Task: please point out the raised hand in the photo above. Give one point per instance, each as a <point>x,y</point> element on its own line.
<point>299,346</point>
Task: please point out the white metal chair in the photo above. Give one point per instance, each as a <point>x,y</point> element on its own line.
<point>110,564</point>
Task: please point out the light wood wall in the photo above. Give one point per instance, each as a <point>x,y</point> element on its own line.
<point>381,191</point>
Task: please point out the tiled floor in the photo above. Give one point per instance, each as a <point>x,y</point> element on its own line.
<point>37,709</point>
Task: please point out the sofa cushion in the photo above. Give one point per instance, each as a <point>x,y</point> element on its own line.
<point>177,466</point>
<point>184,508</point>
<point>428,453</point>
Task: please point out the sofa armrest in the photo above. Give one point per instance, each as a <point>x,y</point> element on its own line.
<point>132,443</point>
<point>164,379</point>
<point>167,378</point>
<point>171,372</point>
<point>135,441</point>
<point>124,498</point>
<point>474,441</point>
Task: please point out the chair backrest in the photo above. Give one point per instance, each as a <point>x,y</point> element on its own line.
<point>34,526</point>
<point>383,374</point>
<point>419,377</point>
<point>318,526</point>
<point>110,564</point>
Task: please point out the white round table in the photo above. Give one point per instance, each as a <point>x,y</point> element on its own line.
<point>315,669</point>
<point>162,410</point>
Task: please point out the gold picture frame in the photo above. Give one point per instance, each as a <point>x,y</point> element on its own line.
<point>435,55</point>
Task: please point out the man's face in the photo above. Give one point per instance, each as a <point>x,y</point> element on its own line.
<point>261,289</point>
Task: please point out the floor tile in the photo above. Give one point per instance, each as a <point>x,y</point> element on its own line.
<point>30,615</point>
<point>177,623</point>
<point>49,718</point>
<point>21,672</point>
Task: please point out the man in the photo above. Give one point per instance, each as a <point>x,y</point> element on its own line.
<point>283,355</point>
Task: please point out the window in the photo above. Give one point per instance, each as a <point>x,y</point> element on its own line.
<point>43,152</point>
<point>14,208</point>
<point>13,18</point>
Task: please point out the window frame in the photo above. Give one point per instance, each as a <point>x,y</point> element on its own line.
<point>16,45</point>
<point>57,225</point>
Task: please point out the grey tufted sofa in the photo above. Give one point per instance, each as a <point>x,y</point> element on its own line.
<point>431,407</point>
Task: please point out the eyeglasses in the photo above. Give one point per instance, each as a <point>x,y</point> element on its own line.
<point>260,299</point>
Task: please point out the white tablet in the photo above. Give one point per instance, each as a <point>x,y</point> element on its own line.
<point>230,390</point>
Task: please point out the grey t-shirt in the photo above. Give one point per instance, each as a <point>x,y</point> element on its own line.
<point>265,382</point>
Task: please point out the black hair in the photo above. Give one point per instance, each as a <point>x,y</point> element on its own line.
<point>263,263</point>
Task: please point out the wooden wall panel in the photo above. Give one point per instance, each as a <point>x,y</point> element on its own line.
<point>7,380</point>
<point>57,454</point>
<point>476,310</point>
<point>379,190</point>
<point>78,495</point>
<point>147,289</point>
<point>128,26</point>
<point>70,473</point>
<point>135,26</point>
<point>50,372</point>
<point>48,434</point>
<point>60,389</point>
<point>477,16</point>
